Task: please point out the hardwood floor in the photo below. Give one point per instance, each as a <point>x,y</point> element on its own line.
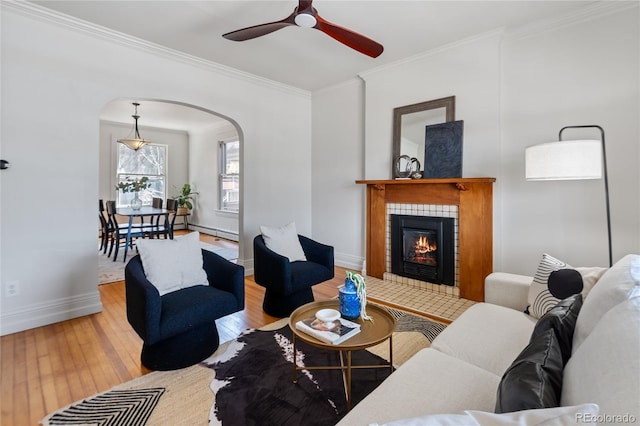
<point>46,368</point>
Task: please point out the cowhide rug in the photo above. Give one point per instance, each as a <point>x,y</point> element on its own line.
<point>253,382</point>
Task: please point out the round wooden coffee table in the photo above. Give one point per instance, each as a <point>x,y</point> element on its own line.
<point>371,334</point>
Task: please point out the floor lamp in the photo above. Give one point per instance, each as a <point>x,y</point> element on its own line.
<point>571,160</point>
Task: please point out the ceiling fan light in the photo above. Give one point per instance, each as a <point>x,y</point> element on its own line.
<point>305,20</point>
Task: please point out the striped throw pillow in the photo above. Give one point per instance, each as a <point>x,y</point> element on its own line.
<point>540,298</point>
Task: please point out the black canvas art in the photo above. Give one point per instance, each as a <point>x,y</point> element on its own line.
<point>443,150</point>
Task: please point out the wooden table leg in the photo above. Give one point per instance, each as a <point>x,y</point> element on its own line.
<point>391,353</point>
<point>295,365</point>
<point>348,380</point>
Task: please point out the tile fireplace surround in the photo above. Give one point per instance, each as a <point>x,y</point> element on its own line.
<point>473,198</point>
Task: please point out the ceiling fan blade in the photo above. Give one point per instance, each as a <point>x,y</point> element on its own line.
<point>260,30</point>
<point>352,39</point>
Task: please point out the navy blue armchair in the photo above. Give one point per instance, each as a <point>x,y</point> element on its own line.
<point>288,284</point>
<point>178,329</point>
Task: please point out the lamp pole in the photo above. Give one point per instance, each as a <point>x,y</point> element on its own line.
<point>606,179</point>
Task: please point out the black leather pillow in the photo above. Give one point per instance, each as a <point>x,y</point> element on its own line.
<point>534,379</point>
<point>562,319</point>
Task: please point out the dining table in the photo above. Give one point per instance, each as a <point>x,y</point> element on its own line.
<point>141,213</point>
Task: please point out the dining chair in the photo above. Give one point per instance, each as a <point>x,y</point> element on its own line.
<point>156,226</point>
<point>172,206</point>
<point>104,227</point>
<point>118,231</point>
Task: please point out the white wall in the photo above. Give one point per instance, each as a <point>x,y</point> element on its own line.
<point>337,161</point>
<point>576,72</point>
<point>513,89</point>
<point>56,77</point>
<point>204,160</point>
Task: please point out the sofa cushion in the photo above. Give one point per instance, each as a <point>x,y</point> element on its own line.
<point>561,319</point>
<point>534,380</point>
<point>417,388</point>
<point>540,298</point>
<point>488,336</point>
<point>584,414</point>
<point>615,286</point>
<point>284,241</point>
<point>605,368</point>
<point>171,265</point>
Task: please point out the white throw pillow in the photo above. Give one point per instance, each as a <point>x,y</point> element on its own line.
<point>171,265</point>
<point>584,414</point>
<point>590,277</point>
<point>284,241</point>
<point>540,298</point>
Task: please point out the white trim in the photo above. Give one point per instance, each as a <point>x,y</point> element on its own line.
<point>595,11</point>
<point>216,232</point>
<point>348,261</point>
<point>98,31</point>
<point>42,314</point>
<point>431,52</point>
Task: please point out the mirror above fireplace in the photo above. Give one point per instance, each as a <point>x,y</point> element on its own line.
<point>409,124</point>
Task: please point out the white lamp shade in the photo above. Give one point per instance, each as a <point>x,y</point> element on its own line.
<point>564,160</point>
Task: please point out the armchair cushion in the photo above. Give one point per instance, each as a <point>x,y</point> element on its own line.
<point>284,241</point>
<point>179,312</point>
<point>171,265</point>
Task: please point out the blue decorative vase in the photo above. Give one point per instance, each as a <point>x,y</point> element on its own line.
<point>349,300</point>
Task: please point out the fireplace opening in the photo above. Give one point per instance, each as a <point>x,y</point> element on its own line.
<point>423,247</point>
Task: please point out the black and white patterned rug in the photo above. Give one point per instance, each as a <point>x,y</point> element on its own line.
<point>112,408</point>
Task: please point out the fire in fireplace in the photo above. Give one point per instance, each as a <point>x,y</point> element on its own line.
<point>420,246</point>
<point>423,247</point>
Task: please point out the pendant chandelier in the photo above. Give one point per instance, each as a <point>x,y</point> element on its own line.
<point>136,142</point>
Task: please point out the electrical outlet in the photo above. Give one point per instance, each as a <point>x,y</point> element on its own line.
<point>12,289</point>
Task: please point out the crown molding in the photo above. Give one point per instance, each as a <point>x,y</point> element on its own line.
<point>420,56</point>
<point>41,13</point>
<point>591,12</point>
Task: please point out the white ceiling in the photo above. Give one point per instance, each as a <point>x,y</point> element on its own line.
<point>300,57</point>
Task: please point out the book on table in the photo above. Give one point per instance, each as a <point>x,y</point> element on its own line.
<point>340,330</point>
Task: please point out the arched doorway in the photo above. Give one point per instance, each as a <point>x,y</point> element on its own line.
<point>192,136</point>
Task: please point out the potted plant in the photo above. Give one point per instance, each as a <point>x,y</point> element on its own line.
<point>184,199</point>
<point>135,186</point>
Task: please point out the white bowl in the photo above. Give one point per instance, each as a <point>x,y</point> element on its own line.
<point>327,316</point>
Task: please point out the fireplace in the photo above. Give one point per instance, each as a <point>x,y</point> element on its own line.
<point>423,248</point>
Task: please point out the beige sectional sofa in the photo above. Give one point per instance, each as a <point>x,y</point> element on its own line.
<point>455,381</point>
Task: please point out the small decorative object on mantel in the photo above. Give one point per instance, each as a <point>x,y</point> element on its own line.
<point>443,150</point>
<point>135,186</point>
<point>407,167</point>
<point>353,297</point>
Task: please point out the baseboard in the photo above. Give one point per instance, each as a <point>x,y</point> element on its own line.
<point>348,261</point>
<point>50,312</point>
<point>227,235</point>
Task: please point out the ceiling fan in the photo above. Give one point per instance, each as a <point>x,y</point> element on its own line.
<point>307,16</point>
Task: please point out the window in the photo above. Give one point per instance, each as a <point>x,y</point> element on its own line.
<point>229,187</point>
<point>150,161</point>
